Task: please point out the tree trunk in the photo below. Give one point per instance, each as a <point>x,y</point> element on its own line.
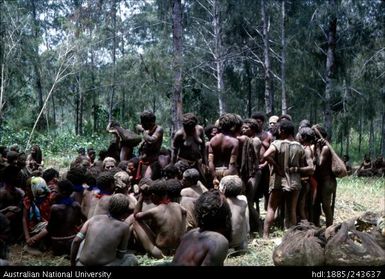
<point>81,105</point>
<point>267,67</point>
<point>371,140</point>
<point>383,131</point>
<point>219,56</point>
<point>330,68</point>
<point>94,94</point>
<point>112,95</point>
<point>53,110</point>
<point>249,88</point>
<point>283,57</point>
<point>360,131</point>
<point>177,30</point>
<point>36,64</point>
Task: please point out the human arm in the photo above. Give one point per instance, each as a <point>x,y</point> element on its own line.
<point>155,137</point>
<point>268,156</point>
<point>76,242</point>
<point>122,248</point>
<point>232,170</point>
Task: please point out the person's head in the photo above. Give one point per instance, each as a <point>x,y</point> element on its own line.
<point>22,160</point>
<point>182,166</point>
<point>286,129</point>
<point>144,185</point>
<point>38,186</point>
<point>82,151</point>
<point>273,120</point>
<point>158,190</point>
<point>15,147</point>
<point>65,188</point>
<point>106,181</point>
<point>367,157</point>
<point>260,118</point>
<point>212,213</point>
<point>346,158</point>
<point>173,189</point>
<point>211,131</point>
<point>50,175</point>
<point>147,119</point>
<point>190,177</point>
<point>77,175</point>
<point>304,123</point>
<point>132,166</point>
<point>230,123</point>
<point>286,117</point>
<point>123,165</point>
<point>122,181</point>
<point>91,153</point>
<point>119,206</point>
<point>306,135</point>
<point>12,158</point>
<point>102,154</point>
<point>189,122</point>
<point>321,130</point>
<point>109,163</point>
<point>9,175</point>
<point>250,127</point>
<point>231,185</point>
<point>170,171</point>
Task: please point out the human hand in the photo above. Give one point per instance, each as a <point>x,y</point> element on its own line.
<point>139,128</point>
<point>216,183</point>
<point>31,241</point>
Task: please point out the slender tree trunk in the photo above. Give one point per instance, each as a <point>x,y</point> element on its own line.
<point>283,57</point>
<point>360,131</point>
<point>77,106</point>
<point>330,67</point>
<point>371,139</point>
<point>123,87</point>
<point>383,130</point>
<point>113,87</point>
<point>267,67</point>
<point>81,106</point>
<point>177,109</point>
<point>94,94</point>
<point>219,56</point>
<point>347,135</point>
<point>53,110</point>
<point>249,88</point>
<point>36,64</point>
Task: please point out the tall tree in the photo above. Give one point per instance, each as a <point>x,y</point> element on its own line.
<point>283,57</point>
<point>330,66</point>
<point>269,99</point>
<point>177,32</point>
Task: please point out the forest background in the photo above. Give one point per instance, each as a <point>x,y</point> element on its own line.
<point>70,66</point>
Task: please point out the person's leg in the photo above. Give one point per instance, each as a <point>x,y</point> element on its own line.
<point>147,238</point>
<point>274,201</point>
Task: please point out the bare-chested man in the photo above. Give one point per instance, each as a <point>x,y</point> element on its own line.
<point>224,148</point>
<point>266,138</point>
<point>326,180</point>
<point>192,190</point>
<point>151,144</point>
<point>100,200</point>
<point>231,186</point>
<point>287,157</point>
<point>189,144</point>
<point>207,245</point>
<point>105,238</point>
<point>168,222</point>
<point>65,219</point>
<point>306,137</point>
<point>250,171</point>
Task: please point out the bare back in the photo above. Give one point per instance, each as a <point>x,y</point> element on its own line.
<point>104,236</point>
<point>201,248</point>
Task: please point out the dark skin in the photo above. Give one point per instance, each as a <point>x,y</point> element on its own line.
<point>168,225</point>
<point>222,147</point>
<point>64,219</point>
<point>201,248</point>
<point>189,143</point>
<point>104,236</point>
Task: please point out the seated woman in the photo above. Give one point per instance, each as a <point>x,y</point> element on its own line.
<point>366,168</point>
<point>35,161</point>
<point>37,207</point>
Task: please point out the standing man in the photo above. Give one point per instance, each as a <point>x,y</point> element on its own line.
<point>151,143</point>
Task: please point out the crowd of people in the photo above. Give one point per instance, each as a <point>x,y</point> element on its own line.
<point>193,201</point>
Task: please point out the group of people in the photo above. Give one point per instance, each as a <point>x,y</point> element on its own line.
<point>370,168</point>
<point>194,201</point>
